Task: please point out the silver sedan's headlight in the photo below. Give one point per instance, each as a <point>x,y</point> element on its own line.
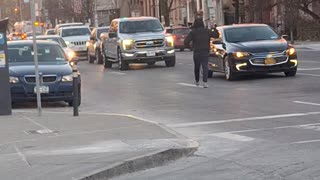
<point>14,80</point>
<point>67,78</point>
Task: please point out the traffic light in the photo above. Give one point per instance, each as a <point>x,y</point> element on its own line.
<point>16,10</point>
<point>36,23</point>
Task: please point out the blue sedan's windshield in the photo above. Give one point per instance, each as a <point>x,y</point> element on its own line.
<point>25,53</point>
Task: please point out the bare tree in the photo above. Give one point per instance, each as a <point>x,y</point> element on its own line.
<point>166,7</point>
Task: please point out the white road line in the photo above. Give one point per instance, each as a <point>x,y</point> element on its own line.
<point>234,137</point>
<point>243,119</point>
<point>186,84</point>
<point>304,142</point>
<point>36,123</point>
<point>314,75</point>
<point>264,129</point>
<point>118,73</point>
<point>22,156</point>
<point>307,103</point>
<point>308,69</point>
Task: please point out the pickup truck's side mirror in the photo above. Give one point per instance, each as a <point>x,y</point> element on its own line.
<point>112,35</point>
<point>286,37</point>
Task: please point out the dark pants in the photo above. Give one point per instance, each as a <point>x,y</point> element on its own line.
<point>201,60</point>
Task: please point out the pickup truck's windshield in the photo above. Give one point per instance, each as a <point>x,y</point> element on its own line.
<point>245,34</point>
<point>75,32</point>
<point>140,26</point>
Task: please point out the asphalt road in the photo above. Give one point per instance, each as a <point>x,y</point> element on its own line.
<point>259,127</point>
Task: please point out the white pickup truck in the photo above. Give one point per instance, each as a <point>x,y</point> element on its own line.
<point>76,38</point>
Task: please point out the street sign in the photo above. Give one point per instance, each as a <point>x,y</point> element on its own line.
<point>5,94</point>
<point>26,1</point>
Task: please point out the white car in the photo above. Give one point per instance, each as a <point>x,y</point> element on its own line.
<point>58,26</point>
<point>76,38</point>
<point>68,51</point>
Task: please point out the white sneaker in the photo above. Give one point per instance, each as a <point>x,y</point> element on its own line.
<point>205,85</point>
<point>197,83</point>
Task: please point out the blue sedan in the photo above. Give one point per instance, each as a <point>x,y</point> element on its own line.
<point>54,69</point>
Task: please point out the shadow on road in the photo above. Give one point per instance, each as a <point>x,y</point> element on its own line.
<point>32,105</point>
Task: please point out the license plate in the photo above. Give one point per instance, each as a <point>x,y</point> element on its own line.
<point>43,89</point>
<point>270,61</point>
<point>79,48</point>
<point>151,53</point>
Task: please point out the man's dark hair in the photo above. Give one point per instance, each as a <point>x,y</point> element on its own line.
<point>198,23</point>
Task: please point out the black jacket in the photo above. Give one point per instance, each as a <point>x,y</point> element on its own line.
<point>200,38</point>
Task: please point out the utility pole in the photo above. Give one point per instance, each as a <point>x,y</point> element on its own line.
<point>236,11</point>
<point>35,53</point>
<point>20,12</point>
<point>95,14</point>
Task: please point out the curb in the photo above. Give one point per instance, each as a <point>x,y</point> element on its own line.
<point>152,160</point>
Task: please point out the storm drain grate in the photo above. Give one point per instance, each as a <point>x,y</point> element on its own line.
<point>41,131</point>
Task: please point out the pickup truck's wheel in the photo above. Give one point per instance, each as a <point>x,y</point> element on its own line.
<point>90,59</point>
<point>122,64</point>
<point>210,74</point>
<point>99,57</point>
<point>171,62</point>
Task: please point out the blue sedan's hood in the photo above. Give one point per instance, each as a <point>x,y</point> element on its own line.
<point>46,68</point>
<point>260,46</point>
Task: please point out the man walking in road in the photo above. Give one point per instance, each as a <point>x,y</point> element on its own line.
<point>200,38</point>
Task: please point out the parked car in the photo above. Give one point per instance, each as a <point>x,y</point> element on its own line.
<point>250,49</point>
<point>179,34</point>
<point>30,34</point>
<point>49,32</point>
<point>94,44</point>
<point>138,40</point>
<point>55,72</point>
<point>16,36</point>
<point>76,37</point>
<point>68,51</point>
<point>58,26</point>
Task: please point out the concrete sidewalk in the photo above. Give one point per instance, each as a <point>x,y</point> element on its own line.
<point>92,146</point>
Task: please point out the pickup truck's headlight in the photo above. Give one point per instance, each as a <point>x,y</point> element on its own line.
<point>240,55</point>
<point>14,80</point>
<point>67,78</point>
<point>170,41</point>
<point>127,44</point>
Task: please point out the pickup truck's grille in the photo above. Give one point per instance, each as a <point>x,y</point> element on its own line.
<point>45,79</point>
<point>150,43</point>
<point>79,43</point>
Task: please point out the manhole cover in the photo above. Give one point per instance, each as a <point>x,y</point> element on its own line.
<point>41,131</point>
